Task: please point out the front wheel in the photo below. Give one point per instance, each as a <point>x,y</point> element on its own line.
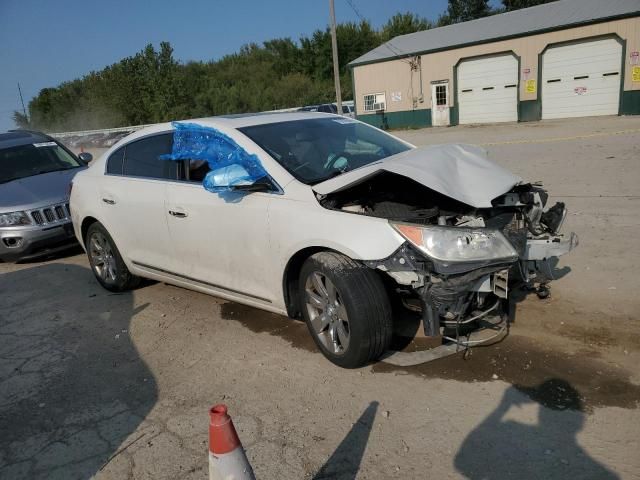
<point>346,308</point>
<point>106,261</point>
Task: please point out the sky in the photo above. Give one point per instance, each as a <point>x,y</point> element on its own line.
<point>47,42</point>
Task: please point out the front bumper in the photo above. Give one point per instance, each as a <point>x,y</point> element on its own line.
<point>20,244</point>
<point>453,300</point>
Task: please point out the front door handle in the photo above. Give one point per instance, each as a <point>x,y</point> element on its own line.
<point>177,214</point>
<point>109,201</point>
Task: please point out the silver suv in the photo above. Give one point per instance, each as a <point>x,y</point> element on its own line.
<point>35,178</point>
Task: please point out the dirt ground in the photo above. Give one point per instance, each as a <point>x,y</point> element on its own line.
<point>118,386</point>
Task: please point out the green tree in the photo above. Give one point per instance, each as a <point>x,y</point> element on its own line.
<point>510,5</point>
<point>20,119</point>
<point>465,10</point>
<point>402,24</point>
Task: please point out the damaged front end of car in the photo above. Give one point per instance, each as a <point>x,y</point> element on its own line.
<point>459,261</point>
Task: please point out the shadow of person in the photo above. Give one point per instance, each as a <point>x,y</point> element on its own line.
<point>344,462</point>
<point>73,388</point>
<point>503,448</point>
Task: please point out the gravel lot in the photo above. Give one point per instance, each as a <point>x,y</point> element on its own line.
<point>118,386</point>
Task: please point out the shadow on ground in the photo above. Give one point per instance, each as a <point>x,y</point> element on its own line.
<point>73,388</point>
<point>503,448</point>
<point>344,462</point>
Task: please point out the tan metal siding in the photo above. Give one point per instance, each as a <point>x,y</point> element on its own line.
<point>395,75</point>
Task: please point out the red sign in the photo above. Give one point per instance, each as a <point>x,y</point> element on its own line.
<point>633,58</point>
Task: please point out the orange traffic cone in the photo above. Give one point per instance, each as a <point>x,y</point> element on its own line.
<point>227,460</point>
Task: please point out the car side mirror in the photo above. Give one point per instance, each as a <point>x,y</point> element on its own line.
<point>261,185</point>
<point>85,157</point>
<point>235,178</point>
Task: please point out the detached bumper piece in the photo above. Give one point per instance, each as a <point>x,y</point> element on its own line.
<point>543,248</point>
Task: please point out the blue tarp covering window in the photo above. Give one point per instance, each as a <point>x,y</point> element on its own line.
<point>225,157</point>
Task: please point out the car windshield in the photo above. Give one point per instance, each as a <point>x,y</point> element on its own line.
<point>34,159</point>
<point>317,149</point>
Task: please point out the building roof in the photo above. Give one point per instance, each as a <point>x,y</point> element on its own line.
<point>538,19</point>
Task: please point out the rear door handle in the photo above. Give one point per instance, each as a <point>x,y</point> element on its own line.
<point>178,214</point>
<point>109,201</point>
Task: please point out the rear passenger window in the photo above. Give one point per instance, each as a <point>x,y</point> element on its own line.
<point>114,164</point>
<point>142,158</point>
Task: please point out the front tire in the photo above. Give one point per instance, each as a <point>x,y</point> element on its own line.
<point>106,262</point>
<point>346,308</point>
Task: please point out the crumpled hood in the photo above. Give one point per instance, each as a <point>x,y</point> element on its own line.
<point>36,191</point>
<point>462,172</point>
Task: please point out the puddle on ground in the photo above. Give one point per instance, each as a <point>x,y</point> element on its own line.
<point>527,365</point>
<point>541,373</point>
<point>259,321</point>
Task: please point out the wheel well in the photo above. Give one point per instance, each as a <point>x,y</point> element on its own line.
<point>86,223</point>
<point>291,276</point>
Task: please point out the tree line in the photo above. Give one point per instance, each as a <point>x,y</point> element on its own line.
<point>152,86</point>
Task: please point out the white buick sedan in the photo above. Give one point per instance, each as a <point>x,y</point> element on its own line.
<point>317,216</point>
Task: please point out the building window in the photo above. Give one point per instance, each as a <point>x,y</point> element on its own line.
<point>374,101</point>
<point>441,95</point>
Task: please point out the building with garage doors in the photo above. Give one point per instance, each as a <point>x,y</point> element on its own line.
<point>570,58</point>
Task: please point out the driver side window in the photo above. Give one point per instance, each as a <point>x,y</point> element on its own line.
<point>197,170</point>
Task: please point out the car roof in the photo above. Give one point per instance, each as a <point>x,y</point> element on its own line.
<point>15,138</point>
<point>232,121</point>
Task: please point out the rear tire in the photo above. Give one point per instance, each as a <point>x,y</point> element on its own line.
<point>346,308</point>
<point>106,262</point>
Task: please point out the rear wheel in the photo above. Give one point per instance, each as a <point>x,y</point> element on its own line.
<point>346,308</point>
<point>106,261</point>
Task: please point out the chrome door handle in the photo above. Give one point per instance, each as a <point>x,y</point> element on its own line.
<point>108,201</point>
<point>177,214</point>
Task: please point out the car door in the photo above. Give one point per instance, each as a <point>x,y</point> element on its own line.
<point>133,197</point>
<point>220,239</point>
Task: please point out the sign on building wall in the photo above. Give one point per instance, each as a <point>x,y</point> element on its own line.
<point>635,74</point>
<point>526,73</point>
<point>530,86</point>
<point>633,58</point>
<point>396,96</point>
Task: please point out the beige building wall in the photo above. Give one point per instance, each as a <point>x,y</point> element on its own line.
<point>397,76</point>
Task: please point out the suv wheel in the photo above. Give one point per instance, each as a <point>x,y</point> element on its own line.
<point>346,308</point>
<point>106,261</point>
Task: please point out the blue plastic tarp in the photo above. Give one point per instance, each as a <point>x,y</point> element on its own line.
<point>230,164</point>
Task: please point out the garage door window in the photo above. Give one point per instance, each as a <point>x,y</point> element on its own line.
<point>142,158</point>
<point>374,101</point>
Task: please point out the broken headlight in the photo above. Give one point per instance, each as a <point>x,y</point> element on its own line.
<point>14,219</point>
<point>458,244</point>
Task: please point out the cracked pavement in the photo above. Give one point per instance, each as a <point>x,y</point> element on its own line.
<point>117,386</point>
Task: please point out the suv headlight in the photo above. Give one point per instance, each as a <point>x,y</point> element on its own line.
<point>14,219</point>
<point>458,244</point>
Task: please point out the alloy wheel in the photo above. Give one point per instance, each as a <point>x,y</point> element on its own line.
<point>327,313</point>
<point>102,257</point>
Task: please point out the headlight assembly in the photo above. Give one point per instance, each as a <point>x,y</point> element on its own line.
<point>458,244</point>
<point>14,219</point>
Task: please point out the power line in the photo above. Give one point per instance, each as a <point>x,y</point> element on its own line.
<point>398,54</point>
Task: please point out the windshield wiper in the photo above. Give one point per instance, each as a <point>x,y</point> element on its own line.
<point>334,174</point>
<point>42,172</point>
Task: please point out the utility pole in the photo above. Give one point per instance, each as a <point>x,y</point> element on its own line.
<point>24,110</point>
<point>334,48</point>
